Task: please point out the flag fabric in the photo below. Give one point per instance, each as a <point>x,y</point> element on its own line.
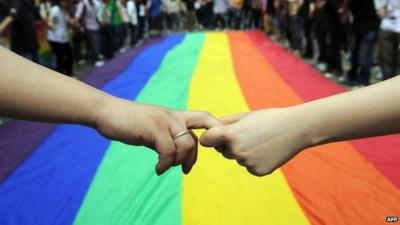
<point>69,174</point>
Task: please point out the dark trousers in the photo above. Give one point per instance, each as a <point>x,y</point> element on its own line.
<point>108,49</point>
<point>133,34</point>
<point>389,56</point>
<point>142,23</point>
<point>207,15</point>
<point>220,18</point>
<point>236,18</point>
<point>94,38</point>
<point>78,44</point>
<point>361,56</point>
<point>330,39</point>
<point>118,37</point>
<point>256,18</point>
<point>308,31</point>
<point>33,56</point>
<point>294,27</point>
<point>64,57</point>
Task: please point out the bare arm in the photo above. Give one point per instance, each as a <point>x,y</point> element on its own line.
<point>32,92</point>
<point>264,140</point>
<point>370,111</point>
<point>5,23</point>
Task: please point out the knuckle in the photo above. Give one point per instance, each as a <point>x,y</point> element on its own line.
<point>167,112</point>
<point>186,143</point>
<point>169,154</point>
<point>239,155</point>
<point>158,122</point>
<point>227,134</point>
<point>205,113</point>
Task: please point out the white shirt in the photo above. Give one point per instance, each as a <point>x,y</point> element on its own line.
<point>131,11</point>
<point>88,14</point>
<point>172,6</point>
<point>142,10</point>
<point>391,22</point>
<point>59,33</point>
<point>221,6</point>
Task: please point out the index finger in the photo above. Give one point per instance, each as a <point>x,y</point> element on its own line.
<point>198,119</point>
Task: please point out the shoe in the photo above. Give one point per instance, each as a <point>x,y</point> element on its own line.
<point>342,79</point>
<point>99,63</point>
<point>321,66</point>
<point>355,87</point>
<point>81,62</point>
<point>329,75</point>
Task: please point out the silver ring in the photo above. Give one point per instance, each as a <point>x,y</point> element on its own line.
<point>181,134</point>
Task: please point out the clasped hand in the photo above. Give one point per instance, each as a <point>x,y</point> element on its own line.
<point>259,140</point>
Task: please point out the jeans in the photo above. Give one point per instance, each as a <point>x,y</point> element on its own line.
<point>389,56</point>
<point>294,27</point>
<point>361,56</point>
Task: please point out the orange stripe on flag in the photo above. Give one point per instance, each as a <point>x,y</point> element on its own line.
<point>333,183</point>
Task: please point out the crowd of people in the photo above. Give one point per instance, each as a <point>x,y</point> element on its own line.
<point>366,30</point>
<point>94,30</point>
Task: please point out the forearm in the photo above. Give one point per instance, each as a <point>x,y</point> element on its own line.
<point>5,23</point>
<point>32,92</point>
<point>371,111</point>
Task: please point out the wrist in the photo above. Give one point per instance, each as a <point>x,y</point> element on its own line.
<point>101,107</point>
<point>311,126</point>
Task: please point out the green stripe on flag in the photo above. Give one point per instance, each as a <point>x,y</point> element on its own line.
<point>126,189</point>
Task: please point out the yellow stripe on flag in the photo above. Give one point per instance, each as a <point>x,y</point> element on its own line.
<point>219,191</point>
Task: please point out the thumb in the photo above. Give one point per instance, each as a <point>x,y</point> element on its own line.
<point>214,137</point>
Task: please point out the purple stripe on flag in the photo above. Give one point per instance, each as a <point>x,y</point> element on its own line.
<point>19,138</point>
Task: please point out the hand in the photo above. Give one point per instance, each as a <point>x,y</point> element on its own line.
<point>261,141</point>
<point>154,127</point>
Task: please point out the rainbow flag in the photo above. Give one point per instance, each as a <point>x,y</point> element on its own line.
<point>69,174</point>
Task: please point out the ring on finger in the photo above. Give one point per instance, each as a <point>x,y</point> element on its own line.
<point>180,134</point>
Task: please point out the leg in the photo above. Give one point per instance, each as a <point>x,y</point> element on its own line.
<point>55,47</point>
<point>387,53</point>
<point>365,55</point>
<point>68,59</point>
<point>355,53</point>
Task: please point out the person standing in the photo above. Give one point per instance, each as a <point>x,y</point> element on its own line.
<point>191,19</point>
<point>295,25</point>
<point>237,14</point>
<point>365,33</point>
<point>131,10</point>
<point>114,19</point>
<point>58,37</point>
<point>23,35</point>
<point>220,13</point>
<point>142,15</point>
<point>154,6</point>
<point>389,36</point>
<point>308,26</point>
<point>86,14</point>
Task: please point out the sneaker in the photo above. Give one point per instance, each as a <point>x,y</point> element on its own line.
<point>99,63</point>
<point>321,66</point>
<point>342,79</point>
<point>355,87</point>
<point>81,62</point>
<point>329,75</point>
